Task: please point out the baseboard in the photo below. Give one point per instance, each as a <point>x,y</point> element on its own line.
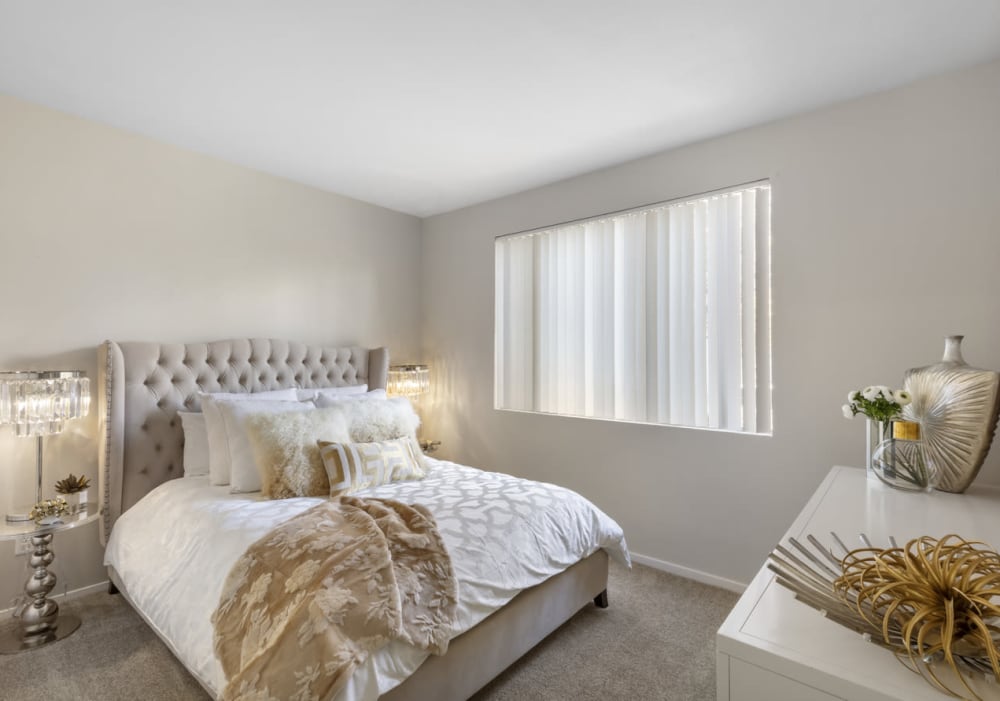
<point>662,565</point>
<point>688,573</point>
<point>71,594</point>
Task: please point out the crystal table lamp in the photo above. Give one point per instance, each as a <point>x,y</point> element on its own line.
<point>411,381</point>
<point>38,404</point>
<point>408,380</point>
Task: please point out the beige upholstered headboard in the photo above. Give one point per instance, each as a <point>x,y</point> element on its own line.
<point>143,385</point>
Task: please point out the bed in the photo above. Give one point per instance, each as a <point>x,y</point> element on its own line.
<point>172,575</point>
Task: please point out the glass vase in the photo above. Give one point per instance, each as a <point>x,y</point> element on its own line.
<point>876,432</point>
<point>900,460</point>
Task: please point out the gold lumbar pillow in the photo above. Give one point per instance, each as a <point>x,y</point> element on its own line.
<point>354,466</point>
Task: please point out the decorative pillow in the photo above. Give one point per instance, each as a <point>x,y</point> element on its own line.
<point>218,453</point>
<point>287,454</point>
<point>195,443</point>
<point>327,400</point>
<point>370,419</point>
<point>354,466</point>
<point>244,475</point>
<point>344,391</point>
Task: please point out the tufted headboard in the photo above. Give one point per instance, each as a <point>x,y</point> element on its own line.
<point>143,385</point>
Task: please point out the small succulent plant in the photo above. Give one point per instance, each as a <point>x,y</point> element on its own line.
<point>72,484</point>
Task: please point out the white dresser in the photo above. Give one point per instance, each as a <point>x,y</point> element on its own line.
<point>774,648</point>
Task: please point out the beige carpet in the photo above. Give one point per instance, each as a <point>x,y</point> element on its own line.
<point>656,641</point>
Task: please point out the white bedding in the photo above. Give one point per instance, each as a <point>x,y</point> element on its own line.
<point>174,549</point>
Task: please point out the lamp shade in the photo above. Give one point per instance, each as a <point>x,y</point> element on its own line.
<point>408,380</point>
<point>40,403</point>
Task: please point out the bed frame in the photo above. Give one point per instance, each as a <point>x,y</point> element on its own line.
<point>143,385</point>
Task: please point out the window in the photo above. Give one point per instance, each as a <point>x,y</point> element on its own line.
<point>658,315</point>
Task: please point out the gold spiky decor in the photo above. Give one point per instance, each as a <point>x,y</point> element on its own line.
<point>72,484</point>
<point>934,603</point>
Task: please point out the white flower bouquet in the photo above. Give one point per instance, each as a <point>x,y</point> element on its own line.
<point>877,402</point>
<point>898,463</point>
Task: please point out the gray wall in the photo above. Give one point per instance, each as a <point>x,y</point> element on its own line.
<point>105,234</point>
<point>886,237</point>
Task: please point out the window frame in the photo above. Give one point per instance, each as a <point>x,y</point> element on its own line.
<point>762,300</point>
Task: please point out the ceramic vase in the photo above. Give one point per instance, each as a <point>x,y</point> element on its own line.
<point>957,407</point>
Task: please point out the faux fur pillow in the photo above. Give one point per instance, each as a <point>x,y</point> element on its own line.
<point>287,454</point>
<point>371,420</point>
<point>307,395</point>
<point>244,476</point>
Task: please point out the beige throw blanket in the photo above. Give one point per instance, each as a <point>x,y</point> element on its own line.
<point>308,602</point>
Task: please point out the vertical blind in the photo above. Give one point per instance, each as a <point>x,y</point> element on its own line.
<point>658,315</point>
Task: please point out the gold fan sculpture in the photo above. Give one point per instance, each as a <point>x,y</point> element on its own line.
<point>931,602</point>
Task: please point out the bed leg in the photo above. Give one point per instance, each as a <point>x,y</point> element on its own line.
<point>601,600</point>
<point>112,589</point>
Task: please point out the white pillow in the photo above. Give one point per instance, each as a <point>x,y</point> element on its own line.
<point>218,451</point>
<point>195,443</point>
<point>304,395</point>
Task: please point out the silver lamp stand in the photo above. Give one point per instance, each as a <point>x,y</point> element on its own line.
<point>41,623</point>
<point>38,404</point>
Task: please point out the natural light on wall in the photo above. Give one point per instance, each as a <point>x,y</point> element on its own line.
<point>659,314</point>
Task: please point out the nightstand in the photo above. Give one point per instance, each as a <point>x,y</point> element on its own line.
<point>40,622</point>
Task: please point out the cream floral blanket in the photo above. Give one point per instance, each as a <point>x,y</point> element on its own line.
<point>308,602</point>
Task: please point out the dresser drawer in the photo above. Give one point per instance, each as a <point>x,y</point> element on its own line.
<point>749,682</point>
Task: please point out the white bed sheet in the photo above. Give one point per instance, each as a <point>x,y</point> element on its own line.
<point>174,549</point>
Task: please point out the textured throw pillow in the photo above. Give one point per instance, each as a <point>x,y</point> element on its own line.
<point>344,391</point>
<point>354,466</point>
<point>371,419</point>
<point>244,475</point>
<point>218,452</point>
<point>195,443</point>
<point>287,454</point>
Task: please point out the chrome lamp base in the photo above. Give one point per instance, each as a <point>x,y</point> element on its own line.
<point>40,623</point>
<point>14,640</point>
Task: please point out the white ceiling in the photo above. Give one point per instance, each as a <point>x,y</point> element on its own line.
<point>429,105</point>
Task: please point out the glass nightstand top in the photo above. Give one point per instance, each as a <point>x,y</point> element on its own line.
<point>11,531</point>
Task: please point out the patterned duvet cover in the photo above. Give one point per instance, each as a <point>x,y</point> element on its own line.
<point>174,549</point>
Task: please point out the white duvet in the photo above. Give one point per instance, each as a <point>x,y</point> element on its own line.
<point>174,549</point>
